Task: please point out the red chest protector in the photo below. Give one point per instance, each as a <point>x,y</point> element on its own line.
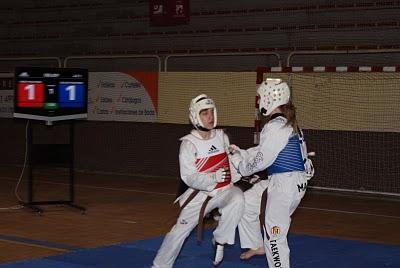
<point>211,155</point>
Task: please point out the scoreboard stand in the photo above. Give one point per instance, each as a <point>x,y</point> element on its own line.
<point>44,154</point>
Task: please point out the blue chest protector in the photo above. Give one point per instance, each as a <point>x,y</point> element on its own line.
<point>289,159</point>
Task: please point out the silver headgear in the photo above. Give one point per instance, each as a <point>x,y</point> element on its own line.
<point>197,104</point>
<point>273,93</point>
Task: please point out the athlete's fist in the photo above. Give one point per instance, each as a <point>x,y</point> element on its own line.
<point>220,175</point>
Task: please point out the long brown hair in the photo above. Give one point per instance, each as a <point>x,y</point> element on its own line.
<point>289,111</point>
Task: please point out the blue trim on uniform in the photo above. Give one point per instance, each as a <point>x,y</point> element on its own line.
<point>289,159</point>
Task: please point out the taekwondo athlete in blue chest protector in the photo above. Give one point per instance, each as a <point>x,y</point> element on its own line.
<point>282,153</point>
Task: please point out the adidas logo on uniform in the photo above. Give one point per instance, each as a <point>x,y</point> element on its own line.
<point>212,149</point>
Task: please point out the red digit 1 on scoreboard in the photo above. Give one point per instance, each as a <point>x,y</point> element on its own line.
<point>30,95</point>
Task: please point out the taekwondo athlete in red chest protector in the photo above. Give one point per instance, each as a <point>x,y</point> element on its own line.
<point>205,169</point>
<point>282,154</point>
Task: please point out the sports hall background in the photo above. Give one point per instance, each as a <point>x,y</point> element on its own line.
<point>351,119</point>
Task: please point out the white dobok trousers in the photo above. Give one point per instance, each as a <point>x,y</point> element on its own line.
<point>285,191</point>
<point>230,203</point>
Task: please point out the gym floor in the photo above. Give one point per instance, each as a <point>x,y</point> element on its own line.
<point>124,208</point>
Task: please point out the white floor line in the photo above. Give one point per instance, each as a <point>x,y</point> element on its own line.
<point>129,221</point>
<point>110,188</point>
<point>172,194</point>
<point>350,212</point>
<point>101,188</point>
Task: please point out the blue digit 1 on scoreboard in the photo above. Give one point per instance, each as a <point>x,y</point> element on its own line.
<point>70,94</point>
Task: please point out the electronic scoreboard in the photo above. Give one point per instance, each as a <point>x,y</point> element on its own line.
<point>50,94</point>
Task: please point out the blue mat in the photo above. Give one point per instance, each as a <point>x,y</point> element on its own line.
<point>306,252</point>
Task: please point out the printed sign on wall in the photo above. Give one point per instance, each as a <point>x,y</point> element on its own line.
<point>118,96</point>
<point>169,12</point>
<point>178,12</point>
<point>6,95</point>
<point>158,12</point>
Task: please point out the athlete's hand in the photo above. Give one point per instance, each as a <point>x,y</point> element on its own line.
<point>220,175</point>
<point>236,158</point>
<point>234,149</point>
<point>309,168</point>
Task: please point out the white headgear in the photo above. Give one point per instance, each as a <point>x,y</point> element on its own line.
<point>273,93</point>
<point>197,104</point>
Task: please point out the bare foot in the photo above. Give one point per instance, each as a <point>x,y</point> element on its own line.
<point>252,252</point>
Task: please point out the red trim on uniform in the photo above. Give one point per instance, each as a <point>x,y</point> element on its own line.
<point>212,164</point>
<point>222,184</point>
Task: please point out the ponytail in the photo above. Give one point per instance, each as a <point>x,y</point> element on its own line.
<point>289,111</point>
